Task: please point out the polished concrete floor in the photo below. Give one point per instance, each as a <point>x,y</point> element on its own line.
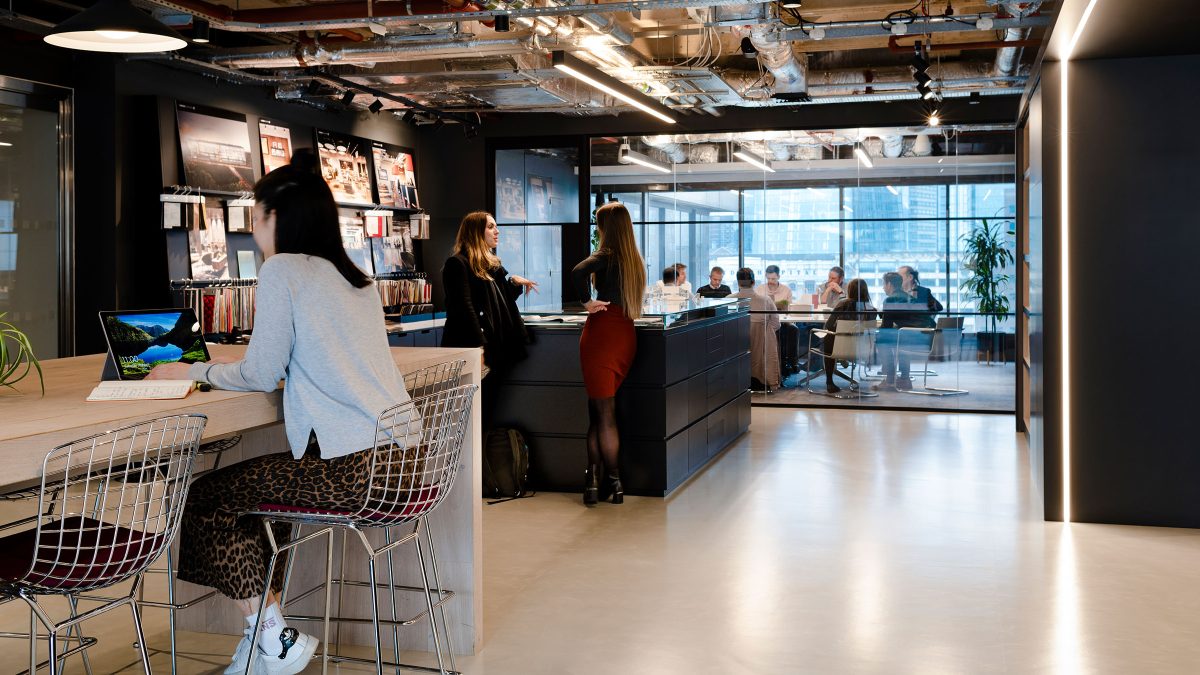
<point>824,541</point>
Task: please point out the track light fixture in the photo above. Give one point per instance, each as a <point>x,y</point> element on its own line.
<point>200,31</point>
<point>375,106</point>
<point>790,4</point>
<point>501,25</point>
<point>347,98</point>
<point>935,120</point>
<point>748,49</point>
<point>922,78</point>
<point>409,115</point>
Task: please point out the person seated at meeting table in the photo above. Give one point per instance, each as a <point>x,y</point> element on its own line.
<point>831,292</point>
<point>779,294</point>
<point>918,293</point>
<point>900,310</point>
<point>856,307</point>
<point>764,326</point>
<point>714,288</point>
<point>674,282</point>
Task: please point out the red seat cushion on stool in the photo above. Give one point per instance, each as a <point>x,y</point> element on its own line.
<point>94,553</point>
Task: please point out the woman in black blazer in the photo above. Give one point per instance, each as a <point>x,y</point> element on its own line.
<point>481,304</point>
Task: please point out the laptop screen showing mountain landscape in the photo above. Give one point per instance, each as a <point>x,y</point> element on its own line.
<point>141,340</point>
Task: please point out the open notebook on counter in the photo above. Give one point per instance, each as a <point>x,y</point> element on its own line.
<point>141,390</point>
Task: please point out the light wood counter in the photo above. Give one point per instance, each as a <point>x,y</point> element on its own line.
<point>31,425</point>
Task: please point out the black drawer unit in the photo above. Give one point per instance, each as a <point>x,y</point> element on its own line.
<point>685,401</point>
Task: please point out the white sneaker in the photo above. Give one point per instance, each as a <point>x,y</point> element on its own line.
<point>296,650</point>
<point>241,655</point>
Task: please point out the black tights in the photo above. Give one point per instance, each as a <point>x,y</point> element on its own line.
<point>603,440</point>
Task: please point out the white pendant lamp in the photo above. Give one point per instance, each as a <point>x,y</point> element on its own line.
<point>115,26</point>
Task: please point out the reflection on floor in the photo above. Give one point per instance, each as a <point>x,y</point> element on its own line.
<point>990,387</point>
<point>823,542</point>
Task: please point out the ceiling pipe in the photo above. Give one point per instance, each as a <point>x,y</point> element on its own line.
<point>895,47</point>
<point>774,53</point>
<point>674,151</point>
<point>353,14</point>
<point>1008,57</point>
<point>375,51</point>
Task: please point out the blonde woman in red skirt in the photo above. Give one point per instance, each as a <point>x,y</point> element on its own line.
<point>618,276</point>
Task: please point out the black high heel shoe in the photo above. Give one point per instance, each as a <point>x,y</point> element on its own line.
<point>616,489</point>
<point>591,486</point>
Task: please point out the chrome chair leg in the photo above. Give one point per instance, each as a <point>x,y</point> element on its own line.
<point>328,599</point>
<point>141,636</point>
<point>387,539</point>
<point>437,581</point>
<point>375,613</point>
<point>87,661</point>
<point>171,610</point>
<point>437,644</point>
<point>337,645</point>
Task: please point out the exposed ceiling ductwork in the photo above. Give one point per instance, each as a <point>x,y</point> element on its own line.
<point>447,56</point>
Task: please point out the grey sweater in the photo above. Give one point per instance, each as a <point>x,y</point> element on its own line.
<point>327,339</point>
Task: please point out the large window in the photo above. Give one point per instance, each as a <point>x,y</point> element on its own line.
<point>537,194</point>
<point>867,231</point>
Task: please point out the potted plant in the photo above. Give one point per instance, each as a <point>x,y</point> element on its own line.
<point>986,255</point>
<point>16,357</point>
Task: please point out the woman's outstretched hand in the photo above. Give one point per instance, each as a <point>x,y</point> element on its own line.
<point>526,283</point>
<point>593,306</point>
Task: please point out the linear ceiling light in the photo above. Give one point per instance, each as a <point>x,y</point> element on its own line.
<point>754,160</point>
<point>610,85</point>
<point>893,190</point>
<point>627,156</point>
<point>863,157</point>
<point>115,26</point>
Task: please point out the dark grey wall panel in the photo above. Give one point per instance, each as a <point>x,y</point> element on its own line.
<point>1134,241</point>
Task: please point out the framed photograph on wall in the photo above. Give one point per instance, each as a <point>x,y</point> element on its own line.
<point>207,250</point>
<point>395,176</point>
<point>353,241</point>
<point>510,200</point>
<point>276,142</point>
<point>540,189</point>
<point>346,167</point>
<point>215,148</point>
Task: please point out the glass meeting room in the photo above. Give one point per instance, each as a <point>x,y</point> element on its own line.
<point>883,260</point>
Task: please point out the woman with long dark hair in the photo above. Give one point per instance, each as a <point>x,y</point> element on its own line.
<point>856,307</point>
<point>481,305</point>
<point>318,324</point>
<point>609,342</point>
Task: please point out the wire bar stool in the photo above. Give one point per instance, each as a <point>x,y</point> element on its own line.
<point>418,445</point>
<point>108,507</point>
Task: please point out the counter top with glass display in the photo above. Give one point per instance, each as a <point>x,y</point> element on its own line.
<point>656,313</point>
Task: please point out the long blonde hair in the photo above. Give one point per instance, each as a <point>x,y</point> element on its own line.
<point>472,244</point>
<point>616,239</point>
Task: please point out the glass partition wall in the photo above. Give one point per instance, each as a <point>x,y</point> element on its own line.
<point>870,201</point>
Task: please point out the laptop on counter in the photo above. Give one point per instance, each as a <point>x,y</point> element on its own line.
<point>140,339</point>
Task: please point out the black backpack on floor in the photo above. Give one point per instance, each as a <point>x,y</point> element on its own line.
<point>505,465</point>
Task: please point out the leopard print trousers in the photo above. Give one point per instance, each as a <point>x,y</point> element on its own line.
<point>219,550</point>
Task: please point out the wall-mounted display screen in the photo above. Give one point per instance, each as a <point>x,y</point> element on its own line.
<point>395,176</point>
<point>215,147</point>
<point>346,167</point>
<point>276,142</point>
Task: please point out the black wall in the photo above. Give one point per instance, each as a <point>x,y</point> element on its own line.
<point>126,151</point>
<point>1135,236</point>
